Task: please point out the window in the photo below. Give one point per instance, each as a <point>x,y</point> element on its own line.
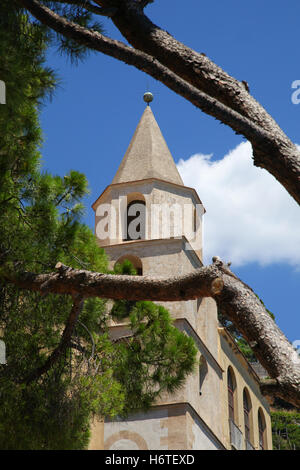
<point>247,415</point>
<point>135,226</point>
<point>231,392</point>
<point>261,430</point>
<point>195,220</point>
<point>203,370</point>
<point>134,260</point>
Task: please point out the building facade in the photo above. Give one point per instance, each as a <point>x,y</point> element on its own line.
<point>148,216</point>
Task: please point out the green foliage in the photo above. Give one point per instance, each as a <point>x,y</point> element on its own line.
<point>122,308</point>
<point>40,225</point>
<point>286,430</point>
<point>156,357</point>
<point>77,13</point>
<point>55,413</point>
<point>246,350</point>
<point>125,268</point>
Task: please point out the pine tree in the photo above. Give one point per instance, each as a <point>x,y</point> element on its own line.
<point>52,384</point>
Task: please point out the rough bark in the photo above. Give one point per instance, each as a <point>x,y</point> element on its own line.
<point>235,299</point>
<point>239,304</point>
<point>192,75</point>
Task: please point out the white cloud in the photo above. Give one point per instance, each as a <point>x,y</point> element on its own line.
<point>250,217</point>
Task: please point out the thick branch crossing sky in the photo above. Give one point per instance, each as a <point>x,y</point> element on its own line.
<point>250,219</point>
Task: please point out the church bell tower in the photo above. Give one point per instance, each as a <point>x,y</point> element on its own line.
<point>148,216</point>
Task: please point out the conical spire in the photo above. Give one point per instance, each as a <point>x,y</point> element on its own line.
<point>148,155</point>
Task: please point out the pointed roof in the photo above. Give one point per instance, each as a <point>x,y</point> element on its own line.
<point>148,155</point>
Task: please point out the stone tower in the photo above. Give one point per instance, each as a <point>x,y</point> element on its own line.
<point>148,216</point>
<point>148,177</point>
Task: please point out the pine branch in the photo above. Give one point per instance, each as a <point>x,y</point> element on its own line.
<point>64,342</point>
<point>109,12</point>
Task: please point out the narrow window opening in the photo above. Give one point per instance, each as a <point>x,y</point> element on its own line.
<point>261,430</point>
<point>136,220</point>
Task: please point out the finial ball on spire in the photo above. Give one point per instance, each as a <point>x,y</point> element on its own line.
<point>148,97</point>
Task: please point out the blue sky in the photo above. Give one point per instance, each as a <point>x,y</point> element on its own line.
<point>93,115</point>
